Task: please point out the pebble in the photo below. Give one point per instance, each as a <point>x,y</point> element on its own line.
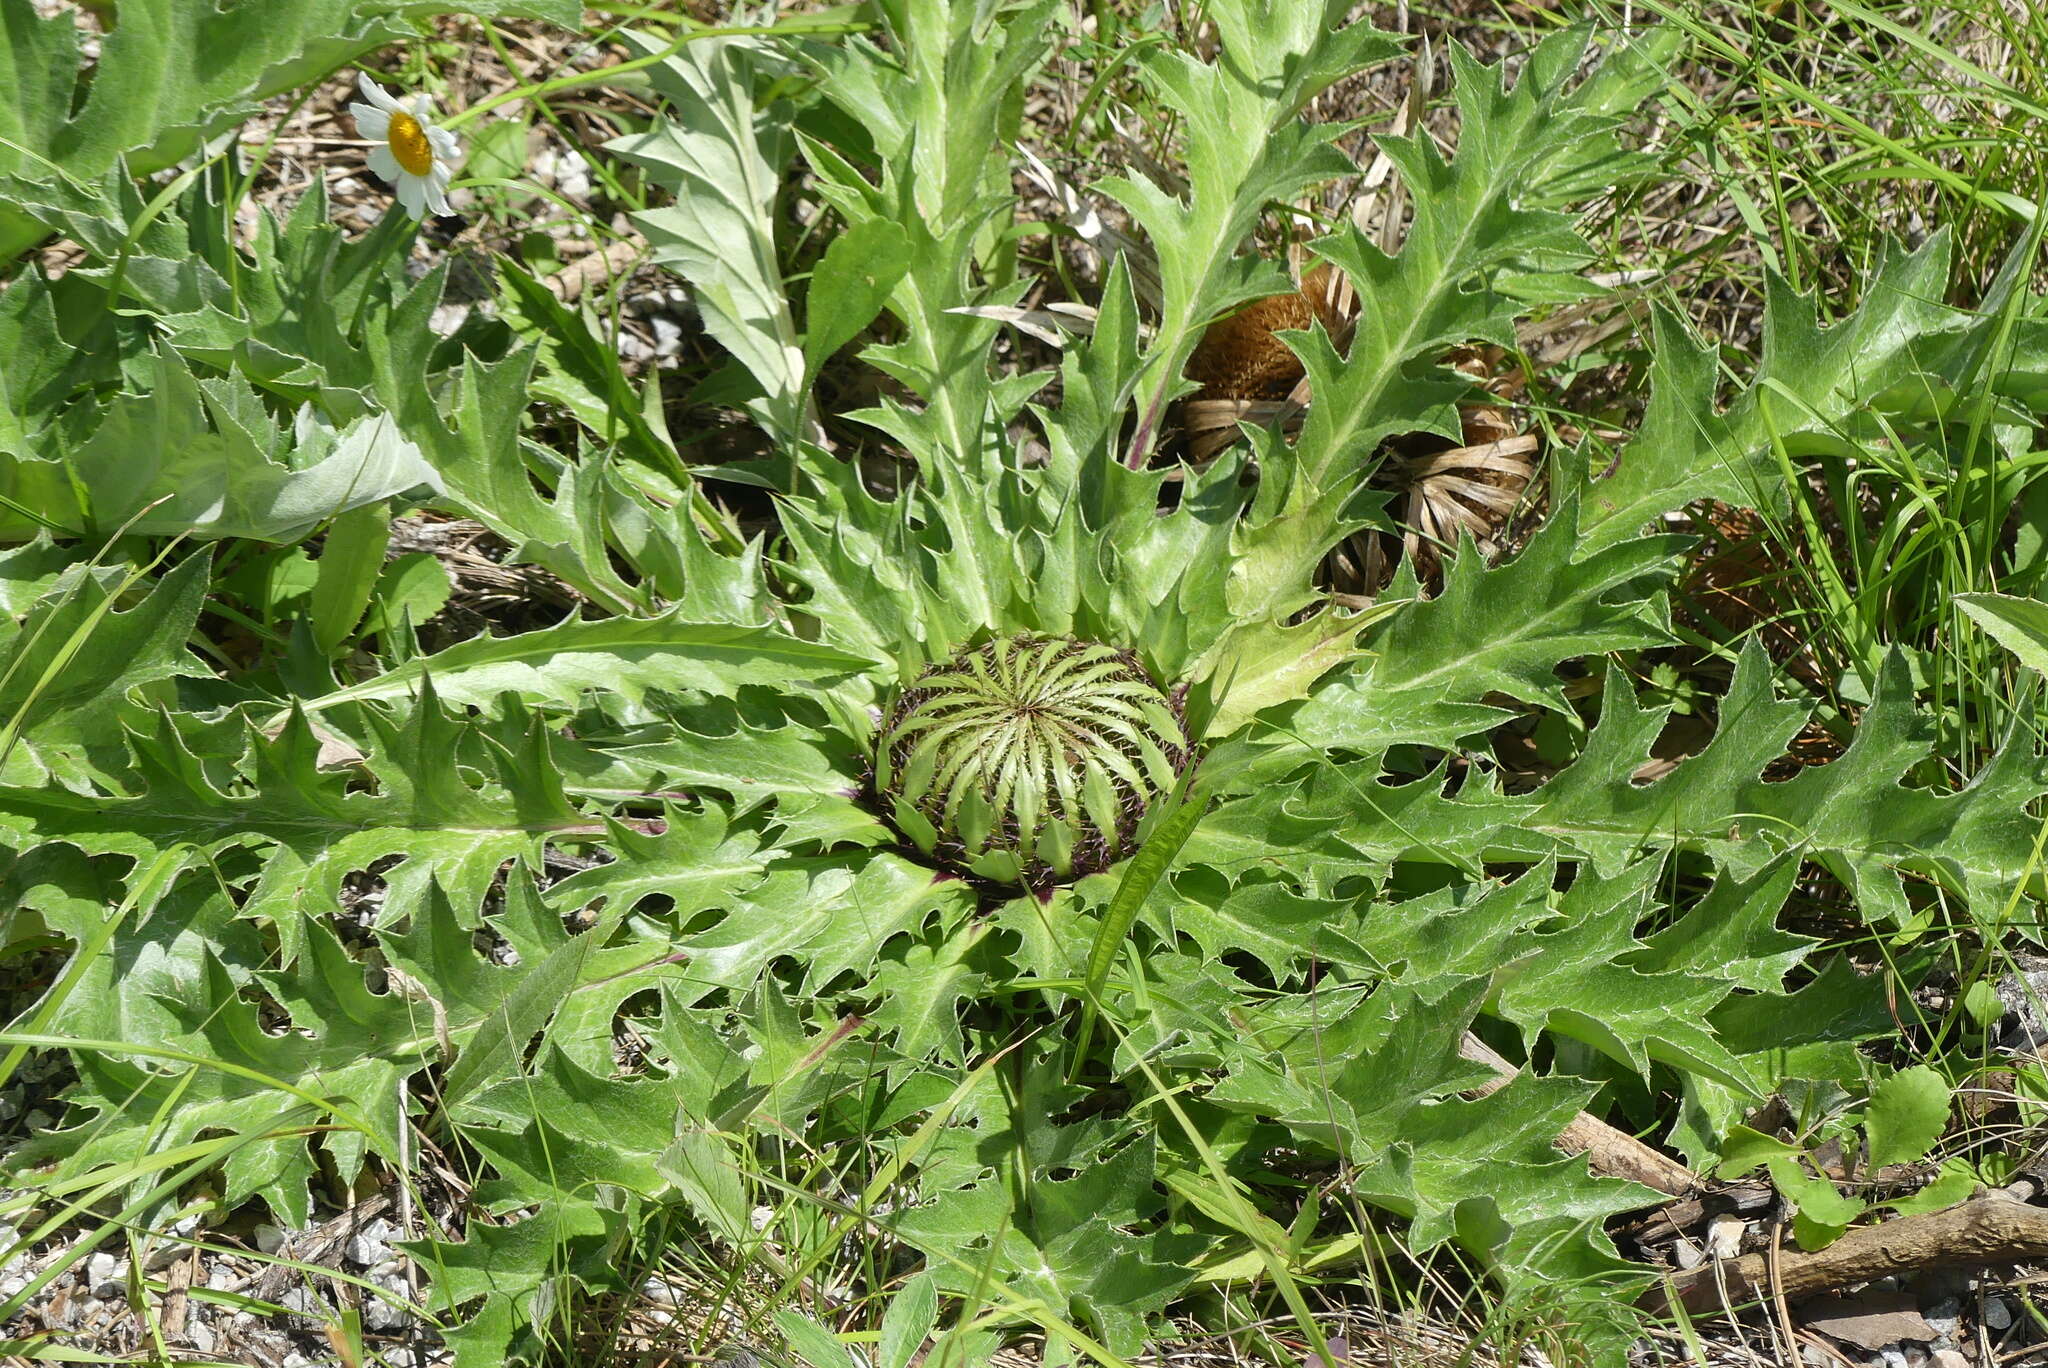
<point>446,318</point>
<point>367,1246</point>
<point>200,1334</point>
<point>1943,1314</point>
<point>1997,1313</point>
<point>631,348</point>
<point>269,1238</point>
<point>668,335</point>
<point>302,1301</point>
<point>174,1247</point>
<point>1948,1358</point>
<point>572,175</point>
<point>1724,1236</point>
<point>379,1314</point>
<point>12,1284</point>
<point>658,1291</point>
<point>104,1274</point>
<point>1891,1357</point>
<point>1817,1356</point>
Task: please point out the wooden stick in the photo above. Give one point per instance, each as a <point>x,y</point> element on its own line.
<point>1993,1229</point>
<point>1611,1153</point>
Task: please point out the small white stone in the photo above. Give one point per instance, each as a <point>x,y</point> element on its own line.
<point>200,1334</point>
<point>1997,1313</point>
<point>659,1291</point>
<point>296,1360</point>
<point>99,1271</point>
<point>367,1246</point>
<point>668,335</point>
<point>446,318</point>
<point>1948,1358</point>
<point>1724,1236</point>
<point>760,1218</point>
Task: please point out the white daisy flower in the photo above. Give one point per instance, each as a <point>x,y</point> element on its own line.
<point>416,157</point>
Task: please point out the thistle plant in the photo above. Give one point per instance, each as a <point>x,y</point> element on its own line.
<point>1256,833</point>
<point>1028,759</point>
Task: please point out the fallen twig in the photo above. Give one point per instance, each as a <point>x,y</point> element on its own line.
<point>1611,1153</point>
<point>1993,1229</point>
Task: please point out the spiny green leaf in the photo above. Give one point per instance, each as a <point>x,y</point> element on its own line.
<point>627,655</point>
<point>722,159</point>
<point>1429,670</point>
<point>205,457</point>
<point>1854,813</point>
<point>68,675</point>
<point>171,73</point>
<point>1469,224</point>
<point>1818,392</point>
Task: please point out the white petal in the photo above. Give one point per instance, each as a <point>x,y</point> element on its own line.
<point>436,200</point>
<point>375,93</point>
<point>412,193</point>
<point>370,122</point>
<point>383,165</point>
<point>446,149</point>
<point>422,107</point>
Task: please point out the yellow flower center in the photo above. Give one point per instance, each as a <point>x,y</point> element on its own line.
<point>409,145</point>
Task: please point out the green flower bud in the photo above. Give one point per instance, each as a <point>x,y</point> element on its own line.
<point>1030,760</point>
